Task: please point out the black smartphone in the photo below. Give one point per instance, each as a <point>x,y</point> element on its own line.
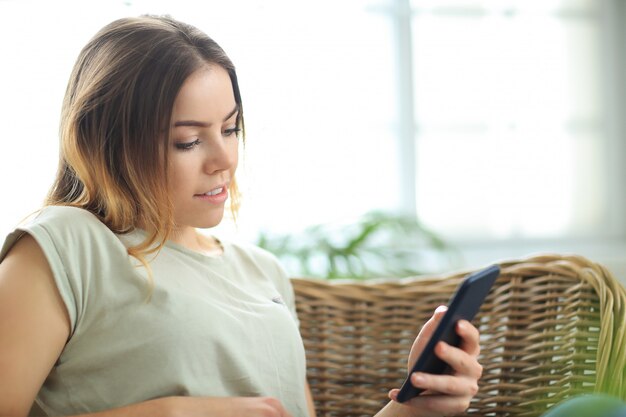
<point>463,305</point>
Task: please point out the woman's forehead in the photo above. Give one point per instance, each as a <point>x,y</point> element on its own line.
<point>207,95</point>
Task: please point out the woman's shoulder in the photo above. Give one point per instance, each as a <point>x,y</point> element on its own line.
<point>250,251</point>
<point>57,215</point>
<point>68,224</point>
<point>70,228</point>
<point>253,256</point>
<point>64,214</point>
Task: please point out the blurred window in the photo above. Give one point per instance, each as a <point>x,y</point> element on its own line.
<point>490,120</point>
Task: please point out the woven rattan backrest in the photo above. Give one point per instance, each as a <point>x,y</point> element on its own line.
<point>552,327</point>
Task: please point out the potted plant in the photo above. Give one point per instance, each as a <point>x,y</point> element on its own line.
<point>377,245</point>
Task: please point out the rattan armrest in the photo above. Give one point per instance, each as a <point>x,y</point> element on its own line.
<point>551,328</point>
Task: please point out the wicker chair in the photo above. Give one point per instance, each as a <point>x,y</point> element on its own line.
<point>551,328</point>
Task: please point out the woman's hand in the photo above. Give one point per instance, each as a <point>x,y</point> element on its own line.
<point>446,394</point>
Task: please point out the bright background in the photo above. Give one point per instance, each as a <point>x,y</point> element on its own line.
<point>499,124</point>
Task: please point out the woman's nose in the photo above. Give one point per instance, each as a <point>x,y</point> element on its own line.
<point>220,154</point>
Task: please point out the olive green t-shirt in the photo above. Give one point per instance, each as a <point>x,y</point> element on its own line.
<point>214,326</point>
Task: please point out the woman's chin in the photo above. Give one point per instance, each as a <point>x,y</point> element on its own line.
<point>210,221</point>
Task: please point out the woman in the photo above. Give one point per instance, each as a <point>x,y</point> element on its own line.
<point>117,305</point>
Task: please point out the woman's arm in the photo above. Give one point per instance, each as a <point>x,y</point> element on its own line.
<point>309,400</point>
<point>34,325</point>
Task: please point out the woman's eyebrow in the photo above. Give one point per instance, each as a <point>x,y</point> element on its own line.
<point>196,123</point>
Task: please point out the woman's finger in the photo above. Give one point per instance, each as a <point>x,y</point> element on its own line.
<point>451,385</point>
<point>430,326</point>
<point>441,404</point>
<point>470,337</point>
<point>435,404</point>
<point>424,335</point>
<point>460,361</point>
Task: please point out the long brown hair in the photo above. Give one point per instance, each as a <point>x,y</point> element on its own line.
<point>115,123</point>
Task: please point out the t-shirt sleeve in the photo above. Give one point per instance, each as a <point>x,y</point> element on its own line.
<point>63,233</point>
<point>69,289</point>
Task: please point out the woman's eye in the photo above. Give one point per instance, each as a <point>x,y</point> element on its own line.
<point>187,146</point>
<point>229,132</point>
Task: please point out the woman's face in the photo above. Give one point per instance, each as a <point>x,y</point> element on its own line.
<point>204,148</point>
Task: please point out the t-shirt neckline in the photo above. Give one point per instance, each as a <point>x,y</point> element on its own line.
<point>180,248</point>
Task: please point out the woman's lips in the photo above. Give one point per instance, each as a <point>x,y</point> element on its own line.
<point>215,196</point>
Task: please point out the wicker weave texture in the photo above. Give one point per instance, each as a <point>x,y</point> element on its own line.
<point>551,328</point>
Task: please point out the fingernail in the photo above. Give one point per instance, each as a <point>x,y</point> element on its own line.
<point>393,395</point>
<point>418,378</point>
<point>441,309</point>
